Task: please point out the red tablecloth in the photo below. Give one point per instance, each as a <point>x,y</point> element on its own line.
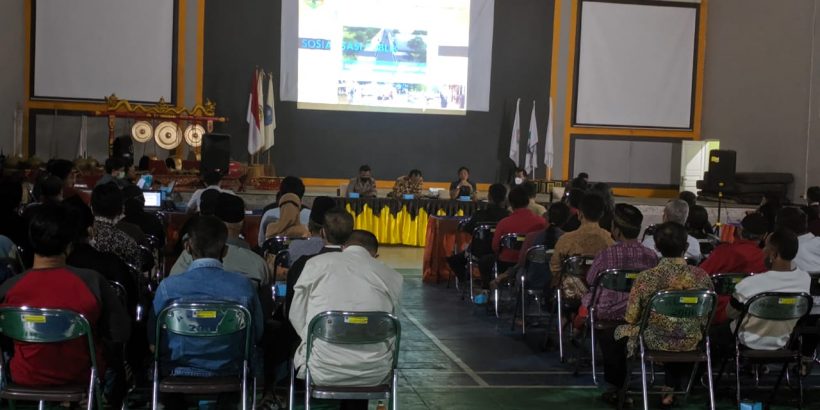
<point>443,237</point>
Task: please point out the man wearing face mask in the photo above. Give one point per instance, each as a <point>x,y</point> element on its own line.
<point>114,172</point>
<point>364,185</point>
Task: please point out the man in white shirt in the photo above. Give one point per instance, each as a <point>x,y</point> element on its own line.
<point>808,254</point>
<point>351,280</point>
<point>211,179</point>
<point>677,210</point>
<point>781,248</point>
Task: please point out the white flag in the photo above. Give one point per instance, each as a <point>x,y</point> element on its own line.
<point>515,139</point>
<point>255,115</point>
<point>82,148</point>
<point>549,150</point>
<point>270,115</point>
<point>531,157</point>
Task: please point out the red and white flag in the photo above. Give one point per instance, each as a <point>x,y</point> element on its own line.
<point>256,116</point>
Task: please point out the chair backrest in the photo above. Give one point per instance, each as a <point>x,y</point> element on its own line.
<point>577,265</point>
<point>778,306</point>
<point>119,289</point>
<point>273,245</point>
<point>512,241</point>
<point>682,304</point>
<point>282,258</point>
<point>204,319</point>
<point>482,240</point>
<point>649,231</point>
<point>615,280</point>
<point>355,328</point>
<point>691,261</point>
<point>538,254</point>
<point>537,272</point>
<point>725,282</point>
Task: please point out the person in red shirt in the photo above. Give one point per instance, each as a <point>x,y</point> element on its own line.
<point>742,256</point>
<point>521,221</point>
<point>52,284</point>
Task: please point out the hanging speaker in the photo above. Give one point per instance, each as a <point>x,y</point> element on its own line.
<point>216,153</point>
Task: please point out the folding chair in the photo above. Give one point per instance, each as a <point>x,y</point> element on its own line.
<point>462,227</point>
<point>576,266</point>
<point>347,329</point>
<point>613,280</point>
<point>510,241</point>
<point>811,327</point>
<point>204,319</point>
<point>771,306</point>
<point>725,282</point>
<point>35,325</point>
<point>536,263</point>
<point>482,240</point>
<point>680,305</point>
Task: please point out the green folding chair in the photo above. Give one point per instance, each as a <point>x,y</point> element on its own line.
<point>778,307</point>
<point>481,240</point>
<point>351,328</point>
<point>696,305</point>
<point>36,325</point>
<point>510,241</point>
<point>572,266</point>
<point>204,319</point>
<point>536,262</point>
<point>725,282</point>
<point>614,280</point>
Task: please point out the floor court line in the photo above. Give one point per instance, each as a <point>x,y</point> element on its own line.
<point>447,352</point>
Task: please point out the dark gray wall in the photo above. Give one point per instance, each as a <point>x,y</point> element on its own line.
<point>309,143</point>
<point>12,42</point>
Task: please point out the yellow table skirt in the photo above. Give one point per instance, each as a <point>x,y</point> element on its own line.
<point>395,229</point>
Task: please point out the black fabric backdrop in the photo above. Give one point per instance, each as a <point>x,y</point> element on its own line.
<point>240,35</point>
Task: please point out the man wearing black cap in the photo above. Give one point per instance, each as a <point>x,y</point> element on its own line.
<point>741,256</point>
<point>230,209</point>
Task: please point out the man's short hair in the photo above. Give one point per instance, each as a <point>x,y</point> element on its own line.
<point>558,214</point>
<point>592,207</point>
<point>51,230</point>
<point>338,226</point>
<point>212,178</point>
<point>60,168</point>
<point>364,168</point>
<point>208,201</point>
<point>414,173</point>
<point>463,168</point>
<point>574,197</point>
<point>106,200</point>
<point>365,239</point>
<point>113,163</point>
<point>689,197</point>
<point>671,239</point>
<point>51,187</point>
<point>317,213</point>
<point>518,197</point>
<point>792,218</point>
<point>291,185</point>
<point>813,194</point>
<point>628,219</point>
<point>754,226</point>
<point>785,243</point>
<point>207,236</point>
<point>530,188</point>
<point>230,208</point>
<point>497,193</point>
<point>677,210</point>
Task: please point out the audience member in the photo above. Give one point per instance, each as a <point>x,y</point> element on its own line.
<point>689,197</point>
<point>677,211</point>
<point>580,182</point>
<point>604,191</point>
<point>14,226</point>
<point>134,205</point>
<point>326,284</point>
<point>365,239</point>
<point>410,184</point>
<point>52,284</point>
<point>207,207</point>
<point>521,221</point>
<point>665,333</point>
<point>67,172</point>
<point>769,207</point>
<point>494,212</point>
<point>573,198</point>
<point>532,191</point>
<point>106,203</point>
<point>813,204</point>
<point>170,163</point>
<point>740,256</point>
<point>557,215</point>
<point>314,243</point>
<point>211,180</point>
<point>697,223</point>
<point>289,222</point>
<point>463,186</point>
<point>588,240</point>
<point>271,212</point>
<point>364,184</point>
<point>114,172</point>
<point>808,253</point>
<point>626,253</point>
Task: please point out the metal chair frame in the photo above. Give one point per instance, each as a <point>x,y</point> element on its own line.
<point>207,310</point>
<point>30,325</point>
<point>522,286</point>
<point>323,326</point>
<point>479,233</point>
<point>511,241</point>
<point>571,266</point>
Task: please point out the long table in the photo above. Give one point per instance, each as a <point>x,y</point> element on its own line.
<point>403,222</point>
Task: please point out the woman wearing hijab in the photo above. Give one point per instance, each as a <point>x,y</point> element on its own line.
<point>288,224</point>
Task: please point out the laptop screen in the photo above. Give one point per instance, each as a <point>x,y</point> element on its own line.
<point>153,199</point>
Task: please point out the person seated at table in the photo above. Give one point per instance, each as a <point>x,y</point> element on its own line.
<point>410,184</point>
<point>52,284</point>
<point>532,192</point>
<point>588,240</point>
<point>211,180</point>
<point>289,223</point>
<point>677,211</point>
<point>519,177</point>
<point>495,211</point>
<point>135,214</point>
<point>463,186</point>
<point>808,254</point>
<point>663,333</point>
<point>271,212</point>
<point>364,184</point>
<point>521,221</point>
<point>205,280</point>
<point>740,256</point>
<point>115,171</point>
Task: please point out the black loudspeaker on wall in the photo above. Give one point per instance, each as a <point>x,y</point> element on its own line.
<point>124,148</point>
<point>216,153</point>
<point>722,168</point>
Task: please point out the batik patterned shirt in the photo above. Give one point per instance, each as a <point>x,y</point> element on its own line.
<point>623,255</point>
<point>405,185</point>
<point>108,238</point>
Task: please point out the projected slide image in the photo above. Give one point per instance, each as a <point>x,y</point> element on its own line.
<point>385,50</point>
<point>401,95</point>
